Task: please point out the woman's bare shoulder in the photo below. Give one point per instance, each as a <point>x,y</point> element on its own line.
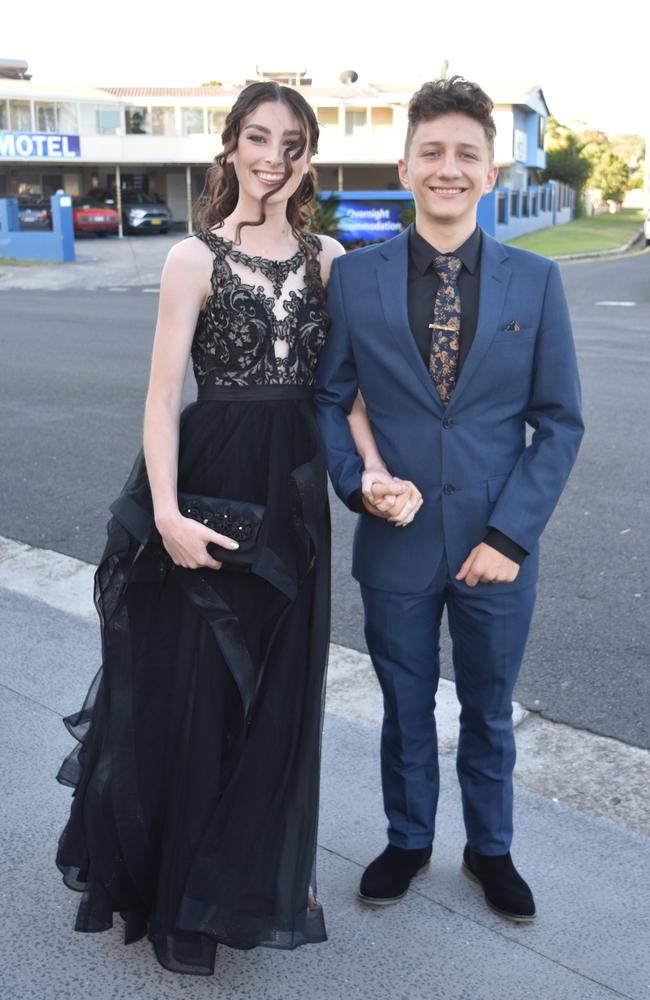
<point>190,249</point>
<point>330,249</point>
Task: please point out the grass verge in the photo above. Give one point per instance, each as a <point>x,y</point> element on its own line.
<point>599,232</point>
<point>15,262</point>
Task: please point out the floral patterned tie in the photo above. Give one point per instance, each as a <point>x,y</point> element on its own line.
<point>445,329</point>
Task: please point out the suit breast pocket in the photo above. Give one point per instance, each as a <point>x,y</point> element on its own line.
<point>515,340</point>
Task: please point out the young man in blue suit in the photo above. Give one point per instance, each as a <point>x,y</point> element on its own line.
<point>456,343</point>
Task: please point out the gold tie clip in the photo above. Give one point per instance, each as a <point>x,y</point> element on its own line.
<point>436,326</point>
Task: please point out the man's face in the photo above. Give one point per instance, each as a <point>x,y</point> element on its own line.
<point>448,168</point>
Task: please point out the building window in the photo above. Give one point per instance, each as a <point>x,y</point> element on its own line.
<point>355,120</point>
<point>524,203</point>
<point>501,208</point>
<point>4,117</point>
<point>381,118</point>
<point>20,116</point>
<point>533,205</point>
<point>193,121</point>
<point>542,200</point>
<point>137,121</point>
<point>68,121</point>
<point>216,120</point>
<point>541,129</point>
<point>514,204</point>
<point>109,119</point>
<point>46,117</point>
<point>327,116</point>
<point>163,121</point>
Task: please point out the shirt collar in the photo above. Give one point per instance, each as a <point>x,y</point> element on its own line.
<point>422,253</point>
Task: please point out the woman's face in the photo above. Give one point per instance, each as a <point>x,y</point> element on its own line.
<point>259,159</point>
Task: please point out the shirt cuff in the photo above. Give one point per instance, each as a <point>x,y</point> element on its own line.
<point>355,502</point>
<point>497,540</point>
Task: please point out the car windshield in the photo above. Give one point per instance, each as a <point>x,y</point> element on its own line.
<point>138,198</point>
<point>86,203</point>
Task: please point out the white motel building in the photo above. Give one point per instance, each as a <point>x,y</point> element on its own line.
<point>56,136</point>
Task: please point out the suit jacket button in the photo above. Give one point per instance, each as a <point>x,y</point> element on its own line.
<point>447,423</point>
<point>448,489</point>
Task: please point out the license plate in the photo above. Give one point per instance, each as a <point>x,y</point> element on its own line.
<point>97,218</point>
<point>156,222</point>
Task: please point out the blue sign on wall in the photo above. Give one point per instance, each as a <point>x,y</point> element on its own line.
<point>359,220</point>
<point>39,145</point>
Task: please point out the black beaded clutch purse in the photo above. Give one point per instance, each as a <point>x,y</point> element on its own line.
<point>237,519</point>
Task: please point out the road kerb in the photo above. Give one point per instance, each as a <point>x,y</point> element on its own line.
<point>593,773</point>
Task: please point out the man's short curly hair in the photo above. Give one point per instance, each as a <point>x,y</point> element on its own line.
<point>443,97</point>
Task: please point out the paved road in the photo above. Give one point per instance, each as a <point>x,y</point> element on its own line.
<point>73,381</point>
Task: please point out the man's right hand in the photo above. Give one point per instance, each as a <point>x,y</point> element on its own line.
<point>399,510</point>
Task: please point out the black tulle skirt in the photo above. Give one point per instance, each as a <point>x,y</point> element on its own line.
<point>196,772</point>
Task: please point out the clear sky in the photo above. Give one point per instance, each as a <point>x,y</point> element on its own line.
<point>592,64</point>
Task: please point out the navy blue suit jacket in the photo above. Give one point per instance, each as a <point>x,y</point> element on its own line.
<point>472,460</point>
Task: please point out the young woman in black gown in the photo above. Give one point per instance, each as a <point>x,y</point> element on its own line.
<point>197,766</point>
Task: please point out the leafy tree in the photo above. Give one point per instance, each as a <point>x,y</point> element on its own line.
<point>324,216</point>
<point>592,137</point>
<point>630,148</point>
<point>609,174</point>
<point>407,215</point>
<point>567,163</point>
<point>565,160</point>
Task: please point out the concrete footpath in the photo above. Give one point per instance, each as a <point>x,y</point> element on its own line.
<point>591,875</point>
<point>136,262</point>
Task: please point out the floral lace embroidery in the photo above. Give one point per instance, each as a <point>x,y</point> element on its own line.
<point>239,330</point>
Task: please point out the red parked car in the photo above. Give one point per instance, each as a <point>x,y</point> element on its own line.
<point>92,217</point>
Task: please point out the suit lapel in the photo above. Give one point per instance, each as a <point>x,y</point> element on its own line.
<point>495,277</point>
<point>392,278</point>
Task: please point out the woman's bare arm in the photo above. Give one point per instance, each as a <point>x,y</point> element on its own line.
<point>184,286</point>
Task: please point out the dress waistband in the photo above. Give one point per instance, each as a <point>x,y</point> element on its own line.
<point>229,393</point>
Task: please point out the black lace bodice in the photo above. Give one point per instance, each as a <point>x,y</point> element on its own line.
<point>261,325</point>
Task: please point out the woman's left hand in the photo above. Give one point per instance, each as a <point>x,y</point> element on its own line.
<point>379,474</point>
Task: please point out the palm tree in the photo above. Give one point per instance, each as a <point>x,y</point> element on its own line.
<point>324,216</point>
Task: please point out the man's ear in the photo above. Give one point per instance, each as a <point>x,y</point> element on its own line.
<point>493,173</point>
<point>403,173</point>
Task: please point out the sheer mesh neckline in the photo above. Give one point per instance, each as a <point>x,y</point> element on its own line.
<point>276,272</point>
<point>233,249</point>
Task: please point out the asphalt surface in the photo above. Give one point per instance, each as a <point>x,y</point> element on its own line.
<point>72,384</point>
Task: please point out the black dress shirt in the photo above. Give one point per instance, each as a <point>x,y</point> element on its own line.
<point>423,283</point>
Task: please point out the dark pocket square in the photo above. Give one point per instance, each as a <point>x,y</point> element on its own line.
<point>514,326</point>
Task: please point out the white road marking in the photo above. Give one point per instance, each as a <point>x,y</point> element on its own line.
<point>612,302</point>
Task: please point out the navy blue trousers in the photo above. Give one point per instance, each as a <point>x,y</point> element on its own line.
<point>488,630</point>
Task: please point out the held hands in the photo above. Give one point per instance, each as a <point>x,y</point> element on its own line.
<point>485,565</point>
<point>395,500</point>
<point>186,542</point>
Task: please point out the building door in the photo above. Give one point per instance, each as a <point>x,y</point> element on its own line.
<point>51,183</point>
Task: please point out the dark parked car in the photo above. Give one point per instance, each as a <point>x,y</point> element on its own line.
<point>34,213</point>
<point>140,212</point>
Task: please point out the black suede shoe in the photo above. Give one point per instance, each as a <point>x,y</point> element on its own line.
<point>386,879</point>
<point>505,890</point>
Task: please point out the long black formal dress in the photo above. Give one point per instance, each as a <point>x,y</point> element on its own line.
<point>196,773</point>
